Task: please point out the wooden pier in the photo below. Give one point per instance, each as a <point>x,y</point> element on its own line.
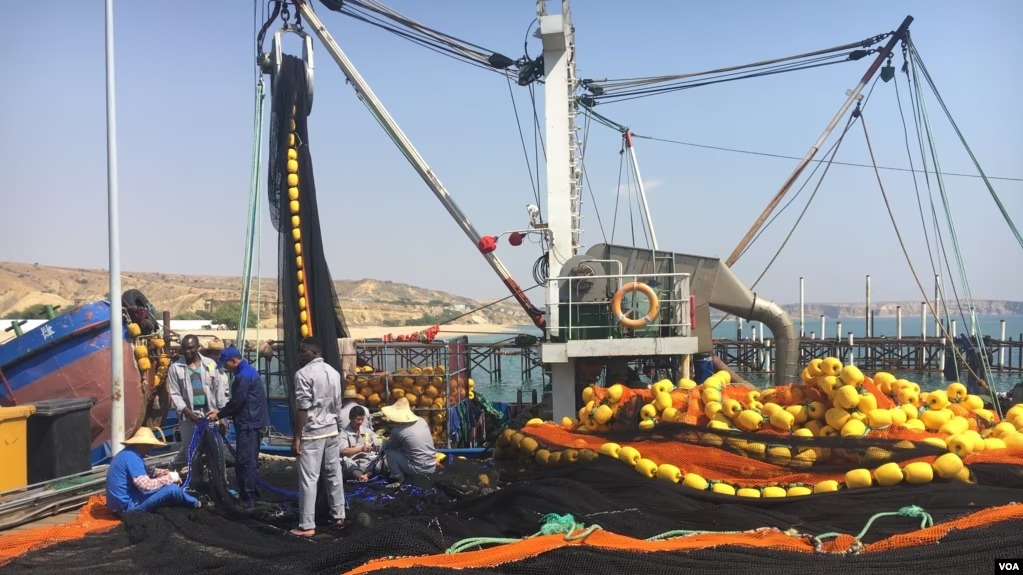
<point>870,354</point>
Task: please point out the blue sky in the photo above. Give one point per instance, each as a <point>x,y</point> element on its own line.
<point>185,91</point>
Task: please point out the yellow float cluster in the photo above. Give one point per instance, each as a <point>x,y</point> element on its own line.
<point>304,313</point>
<point>834,400</point>
<point>512,442</point>
<point>425,388</point>
<point>144,348</point>
<point>948,466</point>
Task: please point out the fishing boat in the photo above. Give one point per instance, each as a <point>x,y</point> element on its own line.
<point>694,474</point>
<point>68,357</point>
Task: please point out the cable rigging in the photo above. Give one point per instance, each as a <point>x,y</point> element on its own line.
<point>380,16</point>
<point>618,90</point>
<point>586,108</point>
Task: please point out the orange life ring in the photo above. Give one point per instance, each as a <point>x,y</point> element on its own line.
<point>649,318</point>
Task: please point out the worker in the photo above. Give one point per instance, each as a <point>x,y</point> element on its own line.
<point>212,350</point>
<point>409,449</point>
<point>133,487</point>
<point>350,400</point>
<point>359,448</point>
<point>195,389</point>
<point>247,407</point>
<point>317,443</point>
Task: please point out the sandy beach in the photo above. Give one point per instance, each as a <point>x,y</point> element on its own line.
<point>361,332</point>
<point>375,332</point>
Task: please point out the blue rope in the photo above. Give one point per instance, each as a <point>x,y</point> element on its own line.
<point>200,429</point>
<point>259,480</point>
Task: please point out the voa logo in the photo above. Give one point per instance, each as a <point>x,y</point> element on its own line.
<point>1008,566</point>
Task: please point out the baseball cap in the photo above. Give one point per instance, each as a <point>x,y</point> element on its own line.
<point>230,352</point>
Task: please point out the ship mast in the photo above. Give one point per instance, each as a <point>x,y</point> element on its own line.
<point>562,178</point>
<point>564,174</point>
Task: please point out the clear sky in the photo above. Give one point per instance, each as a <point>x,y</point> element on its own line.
<point>185,92</point>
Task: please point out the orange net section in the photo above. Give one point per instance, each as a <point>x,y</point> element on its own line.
<point>772,539</point>
<point>932,535</point>
<point>766,539</point>
<point>837,425</point>
<point>94,517</point>
<point>714,462</point>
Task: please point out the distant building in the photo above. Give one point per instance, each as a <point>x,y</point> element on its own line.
<point>195,325</point>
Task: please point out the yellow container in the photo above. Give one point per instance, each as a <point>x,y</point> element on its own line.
<point>13,446</point>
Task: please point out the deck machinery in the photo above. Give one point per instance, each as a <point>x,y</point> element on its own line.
<point>594,318</point>
<point>589,336</point>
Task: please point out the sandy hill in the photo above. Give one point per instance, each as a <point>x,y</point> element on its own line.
<point>365,302</point>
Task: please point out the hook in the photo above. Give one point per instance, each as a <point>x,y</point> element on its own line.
<point>270,63</point>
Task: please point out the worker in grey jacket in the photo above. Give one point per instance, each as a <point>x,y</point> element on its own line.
<point>409,449</point>
<point>195,389</point>
<point>317,443</point>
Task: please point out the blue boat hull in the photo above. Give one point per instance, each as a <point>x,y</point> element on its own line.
<point>69,357</point>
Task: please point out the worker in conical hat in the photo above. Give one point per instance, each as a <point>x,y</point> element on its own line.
<point>131,486</point>
<point>409,449</point>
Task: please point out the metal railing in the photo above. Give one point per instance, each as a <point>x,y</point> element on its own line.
<point>593,318</point>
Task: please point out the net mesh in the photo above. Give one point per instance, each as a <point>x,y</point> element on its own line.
<point>512,498</point>
<point>308,302</point>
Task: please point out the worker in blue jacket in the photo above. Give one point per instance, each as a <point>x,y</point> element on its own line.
<point>247,407</point>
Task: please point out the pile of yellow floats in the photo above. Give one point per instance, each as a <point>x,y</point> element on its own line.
<point>833,400</point>
<point>145,347</point>
<point>424,387</point>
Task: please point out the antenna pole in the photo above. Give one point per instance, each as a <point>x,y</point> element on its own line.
<point>642,190</point>
<point>853,96</point>
<point>116,333</point>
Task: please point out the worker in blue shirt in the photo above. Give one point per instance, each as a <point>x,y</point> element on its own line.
<point>133,487</point>
<point>247,407</point>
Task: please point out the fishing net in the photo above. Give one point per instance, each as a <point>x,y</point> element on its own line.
<point>585,512</point>
<point>308,301</point>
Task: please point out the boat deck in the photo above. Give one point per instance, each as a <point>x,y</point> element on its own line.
<point>51,521</point>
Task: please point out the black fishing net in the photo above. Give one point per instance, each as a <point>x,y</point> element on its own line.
<point>309,281</point>
<point>468,499</point>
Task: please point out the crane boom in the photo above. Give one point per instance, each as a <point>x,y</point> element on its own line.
<point>405,145</point>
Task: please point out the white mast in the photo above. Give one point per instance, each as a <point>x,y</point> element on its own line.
<point>116,335</point>
<point>563,176</point>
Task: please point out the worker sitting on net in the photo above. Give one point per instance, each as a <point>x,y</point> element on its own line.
<point>409,449</point>
<point>350,400</point>
<point>359,447</point>
<point>133,487</point>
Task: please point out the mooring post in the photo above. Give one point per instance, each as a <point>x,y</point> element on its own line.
<point>802,310</point>
<point>866,314</point>
<point>1001,345</point>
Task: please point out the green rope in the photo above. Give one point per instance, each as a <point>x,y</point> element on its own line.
<point>566,524</point>
<point>909,511</point>
<point>962,139</point>
<point>918,68</point>
<point>552,524</point>
<point>687,533</point>
<point>254,181</point>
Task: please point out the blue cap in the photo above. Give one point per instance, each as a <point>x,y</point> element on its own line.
<point>230,352</point>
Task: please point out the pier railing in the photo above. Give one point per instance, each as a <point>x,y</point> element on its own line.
<point>870,353</point>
